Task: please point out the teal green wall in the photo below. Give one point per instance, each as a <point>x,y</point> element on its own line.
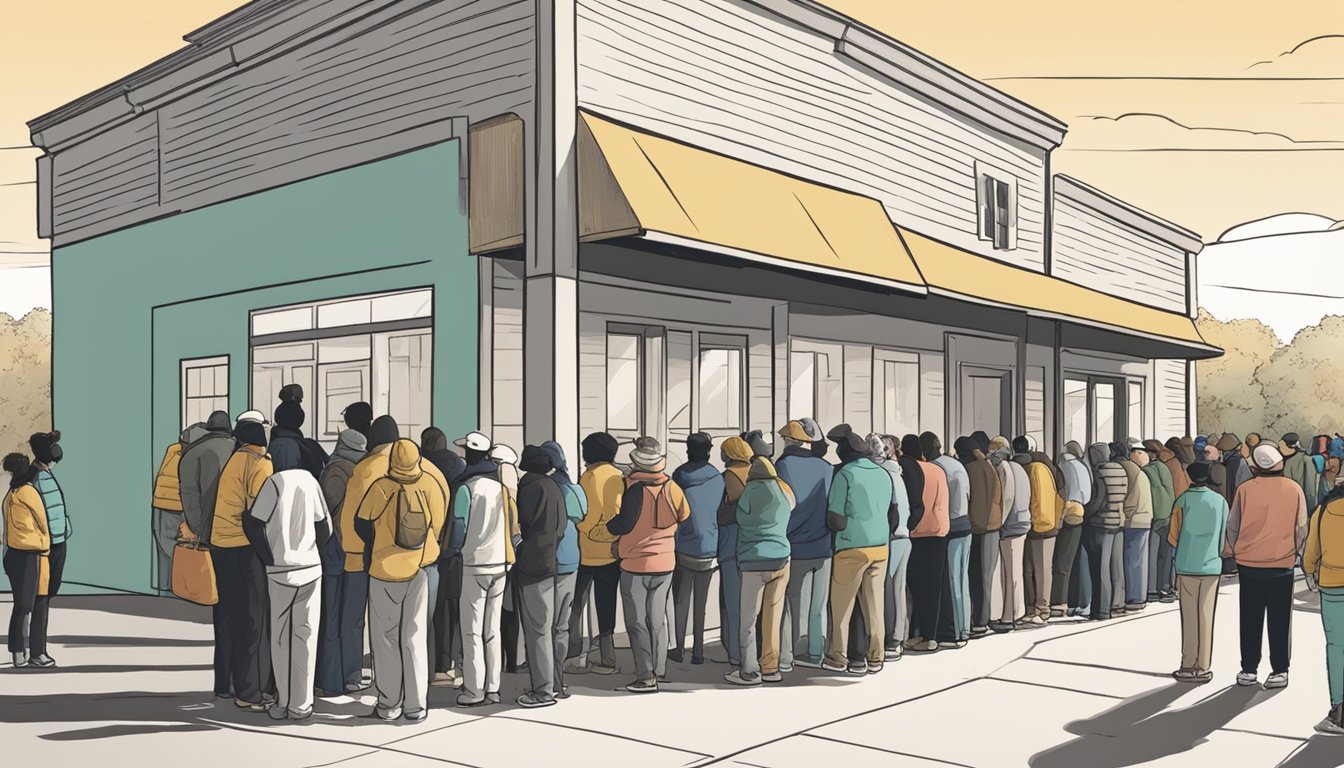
<point>116,357</point>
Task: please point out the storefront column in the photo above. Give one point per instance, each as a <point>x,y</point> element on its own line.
<point>551,308</point>
<point>779,340</point>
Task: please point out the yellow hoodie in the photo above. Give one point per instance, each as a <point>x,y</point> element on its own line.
<point>167,494</point>
<point>391,562</point>
<point>368,470</point>
<point>239,482</point>
<point>1324,555</point>
<point>604,485</point>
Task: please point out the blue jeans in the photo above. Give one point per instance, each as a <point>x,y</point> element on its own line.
<point>897,601</point>
<point>816,618</point>
<point>1332,618</point>
<point>1136,565</point>
<point>354,607</point>
<point>955,621</point>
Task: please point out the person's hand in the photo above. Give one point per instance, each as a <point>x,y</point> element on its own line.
<point>1311,583</point>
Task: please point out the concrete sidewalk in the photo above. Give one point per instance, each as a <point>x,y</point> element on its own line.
<point>135,677</point>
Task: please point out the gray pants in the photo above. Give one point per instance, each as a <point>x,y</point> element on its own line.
<point>819,570</point>
<point>644,598</point>
<point>1136,565</point>
<point>164,527</point>
<point>294,616</point>
<point>537,612</point>
<point>482,602</point>
<point>1105,561</point>
<point>897,600</point>
<point>564,605</point>
<point>399,640</point>
<point>730,605</point>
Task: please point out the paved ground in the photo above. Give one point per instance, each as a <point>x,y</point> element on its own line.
<point>135,675</point>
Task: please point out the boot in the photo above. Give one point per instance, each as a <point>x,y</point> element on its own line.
<point>1333,724</point>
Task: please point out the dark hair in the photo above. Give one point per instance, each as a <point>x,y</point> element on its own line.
<point>358,416</point>
<point>819,449</point>
<point>599,447</point>
<point>289,414</point>
<point>20,469</point>
<point>433,439</point>
<point>930,445</point>
<point>912,447</point>
<point>250,433</point>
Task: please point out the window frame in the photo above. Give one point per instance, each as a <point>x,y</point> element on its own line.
<point>990,215</point>
<point>187,364</point>
<point>714,342</point>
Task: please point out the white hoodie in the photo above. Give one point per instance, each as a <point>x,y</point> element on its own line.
<point>291,505</point>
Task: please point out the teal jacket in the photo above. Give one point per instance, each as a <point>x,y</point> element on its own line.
<point>1198,530</point>
<point>861,493</point>
<point>763,513</point>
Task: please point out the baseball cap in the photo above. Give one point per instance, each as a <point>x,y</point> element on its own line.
<point>1266,456</point>
<point>474,441</point>
<point>253,416</point>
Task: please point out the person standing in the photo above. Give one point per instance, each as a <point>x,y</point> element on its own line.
<point>167,513</point>
<point>928,556</point>
<point>954,620</point>
<point>1325,548</point>
<point>1047,511</point>
<point>339,662</point>
<point>1016,486</point>
<point>1138,529</point>
<point>1171,455</point>
<point>652,507</point>
<point>1077,494</point>
<point>986,515</point>
<point>1297,466</point>
<point>287,525</point>
<point>861,510</point>
<point>400,520</point>
<point>763,552</point>
<point>1160,552</point>
<point>541,523</point>
<point>1103,535</point>
<point>912,476</point>
<point>383,433</point>
<point>697,546</point>
<point>27,545</point>
<point>47,453</point>
<point>445,634</point>
<point>809,546</point>
<point>566,559</point>
<point>510,629</point>
<point>736,454</point>
<point>288,447</point>
<point>896,603</point>
<point>1197,530</point>
<point>1266,529</point>
<point>208,449</point>
<point>359,417</point>
<point>483,530</point>
<point>599,573</point>
<point>239,573</point>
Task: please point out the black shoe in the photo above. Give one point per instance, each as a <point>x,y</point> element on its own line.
<point>698,659</point>
<point>42,661</point>
<point>675,655</point>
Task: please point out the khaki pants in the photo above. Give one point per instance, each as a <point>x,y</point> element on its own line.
<point>1198,595</point>
<point>763,596</point>
<point>1038,573</point>
<point>857,573</point>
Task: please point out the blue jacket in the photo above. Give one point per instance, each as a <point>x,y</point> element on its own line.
<point>810,479</point>
<point>703,486</point>
<point>576,506</point>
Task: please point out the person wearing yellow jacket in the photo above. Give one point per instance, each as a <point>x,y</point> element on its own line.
<point>239,574</point>
<point>355,597</point>
<point>166,513</point>
<point>27,542</point>
<point>400,521</point>
<point>599,568</point>
<point>1047,514</point>
<point>1323,563</point>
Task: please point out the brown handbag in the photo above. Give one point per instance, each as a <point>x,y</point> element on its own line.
<point>194,574</point>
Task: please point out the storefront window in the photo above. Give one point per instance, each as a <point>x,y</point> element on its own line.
<point>1103,405</point>
<point>721,389</point>
<point>896,396</point>
<point>623,382</point>
<point>802,385</point>
<point>1075,411</point>
<point>1136,423</point>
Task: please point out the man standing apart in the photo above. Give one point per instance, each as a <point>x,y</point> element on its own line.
<point>1265,532</point>
<point>209,447</point>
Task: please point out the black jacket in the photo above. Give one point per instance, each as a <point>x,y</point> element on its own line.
<point>449,463</point>
<point>913,476</point>
<point>541,520</point>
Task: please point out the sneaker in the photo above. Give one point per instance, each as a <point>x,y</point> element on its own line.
<point>42,661</point>
<point>736,678</point>
<point>353,688</point>
<point>464,700</point>
<point>299,717</point>
<point>1057,612</point>
<point>278,712</point>
<point>1034,621</point>
<point>954,645</point>
<point>774,677</point>
<point>416,717</point>
<point>1277,680</point>
<point>979,632</point>
<point>873,669</point>
<point>923,646</point>
<point>562,694</point>
<point>837,668</point>
<point>492,698</point>
<point>1136,607</point>
<point>1246,678</point>
<point>676,655</point>
<point>1169,597</point>
<point>20,659</point>
<point>446,680</point>
<point>1001,627</point>
<point>809,662</point>
<point>1328,726</point>
<point>1186,676</point>
<point>575,666</point>
<point>698,658</point>
<point>893,653</point>
<point>250,706</point>
<point>643,686</point>
<point>535,701</point>
<point>857,668</point>
<point>603,669</point>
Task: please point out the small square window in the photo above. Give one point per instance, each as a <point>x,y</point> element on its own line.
<point>996,195</point>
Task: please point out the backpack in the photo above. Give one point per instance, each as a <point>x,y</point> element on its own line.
<point>411,529</point>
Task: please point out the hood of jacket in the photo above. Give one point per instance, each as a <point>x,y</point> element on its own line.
<point>736,449</point>
<point>192,434</point>
<point>1074,450</point>
<point>1184,453</point>
<point>352,442</point>
<point>694,473</point>
<point>404,462</point>
<point>762,469</point>
<point>1024,459</point>
<point>1001,455</point>
<point>558,462</point>
<point>1098,454</point>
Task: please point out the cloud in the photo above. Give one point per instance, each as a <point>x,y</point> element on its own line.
<point>1320,56</point>
<point>1280,225</point>
<point>1150,132</point>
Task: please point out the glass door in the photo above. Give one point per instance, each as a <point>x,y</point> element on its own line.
<point>1096,409</point>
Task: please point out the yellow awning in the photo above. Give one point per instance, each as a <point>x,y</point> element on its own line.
<point>632,182</point>
<point>950,271</point>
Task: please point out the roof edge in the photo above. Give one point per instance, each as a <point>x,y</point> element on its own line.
<point>1127,213</point>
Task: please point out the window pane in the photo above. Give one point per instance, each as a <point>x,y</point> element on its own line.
<point>221,380</point>
<point>721,389</point>
<point>344,313</point>
<point>623,382</point>
<point>402,306</point>
<point>1136,425</point>
<point>344,349</point>
<point>1103,399</point>
<point>341,386</point>
<point>282,321</point>
<point>1075,410</point>
<point>900,397</point>
<point>802,385</point>
<point>408,382</point>
<point>679,383</point>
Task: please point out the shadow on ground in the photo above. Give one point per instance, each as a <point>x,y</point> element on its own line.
<point>1317,752</point>
<point>1137,731</point>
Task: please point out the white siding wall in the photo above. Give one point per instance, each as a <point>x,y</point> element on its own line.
<point>1096,251</point>
<point>506,384</point>
<point>1169,398</point>
<point>341,100</point>
<point>735,79</point>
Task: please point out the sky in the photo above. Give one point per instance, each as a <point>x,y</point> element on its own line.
<point>1210,113</point>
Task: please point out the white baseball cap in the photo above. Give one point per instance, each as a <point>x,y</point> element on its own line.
<point>504,454</point>
<point>1266,456</point>
<point>253,416</point>
<point>474,441</point>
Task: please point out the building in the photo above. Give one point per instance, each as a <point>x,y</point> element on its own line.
<point>549,218</point>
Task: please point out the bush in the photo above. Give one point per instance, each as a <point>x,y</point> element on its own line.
<point>1230,395</point>
<point>25,378</point>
